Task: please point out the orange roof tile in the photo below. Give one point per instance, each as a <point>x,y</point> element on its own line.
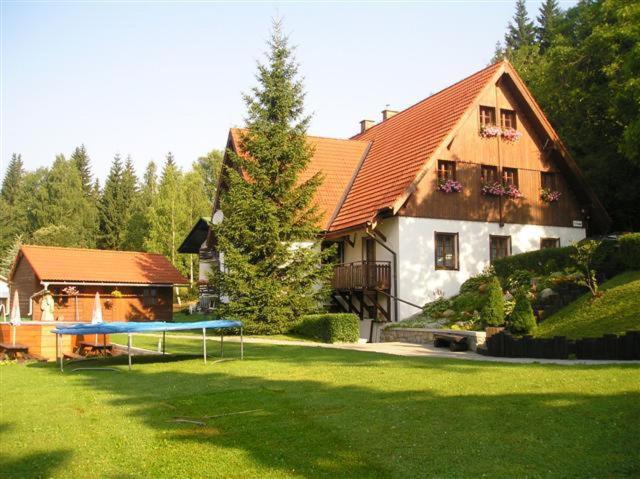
<point>100,266</point>
<point>337,159</point>
<point>400,147</point>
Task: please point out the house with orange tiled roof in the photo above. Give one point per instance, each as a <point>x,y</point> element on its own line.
<point>430,195</point>
<point>132,285</point>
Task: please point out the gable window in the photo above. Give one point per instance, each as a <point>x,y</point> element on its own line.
<point>549,181</point>
<point>489,174</point>
<point>446,250</point>
<point>549,243</point>
<point>446,170</point>
<point>149,297</point>
<point>487,116</point>
<point>510,176</point>
<point>499,247</point>
<point>508,118</point>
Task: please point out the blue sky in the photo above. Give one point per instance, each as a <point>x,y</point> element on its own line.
<point>142,79</point>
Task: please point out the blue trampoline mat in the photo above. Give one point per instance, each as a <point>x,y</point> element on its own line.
<point>133,327</point>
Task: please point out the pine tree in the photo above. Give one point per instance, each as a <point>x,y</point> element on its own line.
<point>271,276</point>
<point>498,53</point>
<point>81,161</point>
<point>548,18</point>
<point>60,214</point>
<point>12,179</point>
<point>521,31</point>
<point>110,210</point>
<point>138,225</point>
<point>9,256</point>
<point>522,320</point>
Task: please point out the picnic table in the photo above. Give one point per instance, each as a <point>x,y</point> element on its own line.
<point>95,348</point>
<point>13,350</point>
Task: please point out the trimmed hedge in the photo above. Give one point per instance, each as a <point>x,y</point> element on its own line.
<point>540,262</point>
<point>330,327</point>
<point>630,251</point>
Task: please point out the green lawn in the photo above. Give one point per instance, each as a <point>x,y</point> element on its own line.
<point>319,413</point>
<point>617,311</point>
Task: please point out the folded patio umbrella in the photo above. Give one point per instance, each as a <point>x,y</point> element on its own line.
<point>96,315</point>
<point>14,317</point>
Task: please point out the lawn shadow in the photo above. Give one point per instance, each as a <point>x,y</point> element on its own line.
<point>24,466</point>
<point>315,428</point>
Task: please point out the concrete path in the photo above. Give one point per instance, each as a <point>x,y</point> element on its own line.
<point>400,349</point>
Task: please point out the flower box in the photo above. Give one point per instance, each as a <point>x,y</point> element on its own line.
<point>449,186</point>
<point>490,131</point>
<point>511,134</point>
<point>549,196</point>
<point>495,188</point>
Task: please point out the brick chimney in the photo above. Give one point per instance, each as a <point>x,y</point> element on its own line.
<point>386,114</point>
<point>366,124</point>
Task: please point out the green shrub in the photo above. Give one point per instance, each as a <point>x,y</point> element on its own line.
<point>435,308</point>
<point>522,320</point>
<point>492,312</point>
<point>474,282</point>
<point>629,252</point>
<point>330,327</point>
<point>468,301</point>
<point>539,262</point>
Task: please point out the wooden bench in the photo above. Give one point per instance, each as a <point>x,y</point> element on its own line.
<point>96,348</point>
<point>455,342</point>
<point>13,350</point>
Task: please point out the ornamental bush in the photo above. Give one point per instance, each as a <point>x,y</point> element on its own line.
<point>629,252</point>
<point>522,320</point>
<point>330,327</point>
<point>492,313</point>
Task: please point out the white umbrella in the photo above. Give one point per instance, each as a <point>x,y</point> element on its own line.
<point>96,315</point>
<point>14,317</point>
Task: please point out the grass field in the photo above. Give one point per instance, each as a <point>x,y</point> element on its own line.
<point>319,413</point>
<point>617,311</point>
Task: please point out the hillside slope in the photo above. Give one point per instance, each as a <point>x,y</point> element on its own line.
<point>615,312</point>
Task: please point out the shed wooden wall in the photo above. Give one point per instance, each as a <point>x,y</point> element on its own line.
<point>25,281</point>
<point>129,307</point>
<point>469,150</point>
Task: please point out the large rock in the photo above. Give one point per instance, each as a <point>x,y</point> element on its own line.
<point>547,293</point>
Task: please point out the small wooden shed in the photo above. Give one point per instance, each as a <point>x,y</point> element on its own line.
<point>133,286</point>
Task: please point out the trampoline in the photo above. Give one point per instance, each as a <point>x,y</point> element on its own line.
<point>129,328</point>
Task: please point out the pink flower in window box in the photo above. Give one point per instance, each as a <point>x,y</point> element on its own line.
<point>549,196</point>
<point>449,186</point>
<point>511,134</point>
<point>490,131</point>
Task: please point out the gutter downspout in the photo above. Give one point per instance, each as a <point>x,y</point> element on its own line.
<point>395,270</point>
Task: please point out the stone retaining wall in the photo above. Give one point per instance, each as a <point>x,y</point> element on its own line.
<point>424,336</point>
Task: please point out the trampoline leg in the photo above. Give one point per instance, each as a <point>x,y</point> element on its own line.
<point>241,345</point>
<point>164,339</point>
<point>221,344</point>
<point>104,345</point>
<point>59,347</point>
<point>129,349</point>
<point>204,344</point>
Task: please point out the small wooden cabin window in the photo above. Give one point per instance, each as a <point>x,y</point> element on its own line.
<point>549,181</point>
<point>510,176</point>
<point>549,243</point>
<point>487,116</point>
<point>499,247</point>
<point>149,297</point>
<point>446,170</point>
<point>508,118</point>
<point>489,174</point>
<point>446,250</point>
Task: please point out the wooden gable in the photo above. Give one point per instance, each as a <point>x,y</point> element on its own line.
<point>538,151</point>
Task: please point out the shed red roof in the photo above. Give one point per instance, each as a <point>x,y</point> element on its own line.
<point>100,266</point>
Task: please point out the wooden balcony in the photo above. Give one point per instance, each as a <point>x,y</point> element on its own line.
<point>362,276</point>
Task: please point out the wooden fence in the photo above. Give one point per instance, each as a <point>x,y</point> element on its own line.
<point>609,346</point>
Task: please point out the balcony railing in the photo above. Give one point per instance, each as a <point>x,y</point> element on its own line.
<point>362,275</point>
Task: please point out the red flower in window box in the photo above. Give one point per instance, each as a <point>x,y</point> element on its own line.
<point>511,134</point>
<point>449,186</point>
<point>549,196</point>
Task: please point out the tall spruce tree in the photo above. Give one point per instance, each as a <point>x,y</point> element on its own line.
<point>111,208</point>
<point>548,19</point>
<point>138,225</point>
<point>271,276</point>
<point>12,179</point>
<point>81,161</point>
<point>521,31</point>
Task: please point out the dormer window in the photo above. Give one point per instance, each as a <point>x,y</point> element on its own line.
<point>487,116</point>
<point>508,119</point>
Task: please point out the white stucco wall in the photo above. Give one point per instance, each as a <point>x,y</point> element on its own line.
<point>418,280</point>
